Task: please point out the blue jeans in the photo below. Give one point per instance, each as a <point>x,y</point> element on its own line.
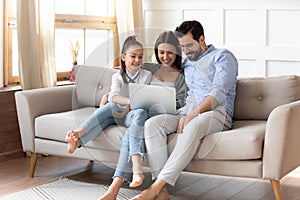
<point>133,139</point>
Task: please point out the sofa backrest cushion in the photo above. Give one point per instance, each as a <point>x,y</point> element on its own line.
<point>91,83</point>
<point>257,97</point>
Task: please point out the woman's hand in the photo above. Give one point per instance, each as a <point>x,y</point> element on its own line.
<point>104,100</point>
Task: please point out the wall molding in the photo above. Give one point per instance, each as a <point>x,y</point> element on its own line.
<point>258,33</point>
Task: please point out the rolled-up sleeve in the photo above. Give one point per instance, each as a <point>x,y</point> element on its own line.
<point>225,77</point>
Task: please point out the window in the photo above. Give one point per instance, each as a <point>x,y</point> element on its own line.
<point>91,23</point>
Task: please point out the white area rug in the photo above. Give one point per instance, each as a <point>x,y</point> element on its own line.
<point>66,189</point>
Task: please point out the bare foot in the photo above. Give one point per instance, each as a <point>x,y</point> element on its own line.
<point>72,140</point>
<point>113,189</point>
<point>163,194</point>
<point>157,191</point>
<point>109,195</point>
<point>137,180</point>
<point>150,194</point>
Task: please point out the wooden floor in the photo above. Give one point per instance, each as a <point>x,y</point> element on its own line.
<point>14,177</point>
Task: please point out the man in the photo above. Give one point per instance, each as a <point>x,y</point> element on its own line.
<point>210,75</point>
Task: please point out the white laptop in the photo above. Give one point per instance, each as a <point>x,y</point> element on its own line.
<point>155,99</point>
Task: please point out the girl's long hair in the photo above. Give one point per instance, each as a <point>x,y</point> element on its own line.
<point>129,42</point>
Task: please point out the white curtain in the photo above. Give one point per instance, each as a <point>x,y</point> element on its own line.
<point>35,25</point>
<point>130,19</point>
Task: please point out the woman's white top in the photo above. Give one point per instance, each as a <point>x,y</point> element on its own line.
<point>155,81</point>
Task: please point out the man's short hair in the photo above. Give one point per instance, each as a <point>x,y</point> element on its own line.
<point>190,26</point>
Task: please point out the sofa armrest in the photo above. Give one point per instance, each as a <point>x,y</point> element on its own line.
<point>281,145</point>
<point>33,103</point>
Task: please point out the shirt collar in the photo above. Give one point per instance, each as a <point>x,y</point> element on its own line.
<point>133,77</point>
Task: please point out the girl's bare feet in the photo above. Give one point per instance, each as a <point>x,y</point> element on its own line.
<point>137,180</point>
<point>72,140</point>
<point>138,176</point>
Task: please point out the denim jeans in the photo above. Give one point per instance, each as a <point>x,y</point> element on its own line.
<point>132,141</point>
<point>133,138</point>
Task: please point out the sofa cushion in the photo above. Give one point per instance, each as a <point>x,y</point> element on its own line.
<point>55,126</point>
<point>257,97</point>
<point>92,83</point>
<point>243,142</point>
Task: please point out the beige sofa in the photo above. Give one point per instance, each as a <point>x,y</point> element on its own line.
<point>263,144</point>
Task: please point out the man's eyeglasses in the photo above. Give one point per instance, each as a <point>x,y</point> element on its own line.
<point>182,46</point>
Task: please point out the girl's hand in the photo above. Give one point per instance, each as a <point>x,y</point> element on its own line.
<point>104,100</point>
<point>119,99</point>
<point>122,114</point>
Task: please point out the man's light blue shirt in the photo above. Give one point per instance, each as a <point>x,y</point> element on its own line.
<point>214,74</point>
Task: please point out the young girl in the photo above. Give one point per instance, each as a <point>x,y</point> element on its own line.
<point>117,111</point>
<point>167,72</point>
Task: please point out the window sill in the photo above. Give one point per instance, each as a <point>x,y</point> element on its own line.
<point>11,88</point>
<point>62,83</point>
<point>18,87</point>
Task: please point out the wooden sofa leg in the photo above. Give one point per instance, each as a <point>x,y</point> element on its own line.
<point>32,164</point>
<point>276,189</point>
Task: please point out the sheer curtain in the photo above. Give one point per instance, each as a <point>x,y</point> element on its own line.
<point>35,26</point>
<point>130,19</point>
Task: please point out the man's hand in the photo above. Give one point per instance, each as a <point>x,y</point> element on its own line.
<point>183,121</point>
<point>208,104</point>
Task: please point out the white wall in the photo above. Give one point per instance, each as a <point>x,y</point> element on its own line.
<point>264,35</point>
<point>1,43</point>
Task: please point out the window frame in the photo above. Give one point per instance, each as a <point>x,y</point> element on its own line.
<point>61,21</point>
